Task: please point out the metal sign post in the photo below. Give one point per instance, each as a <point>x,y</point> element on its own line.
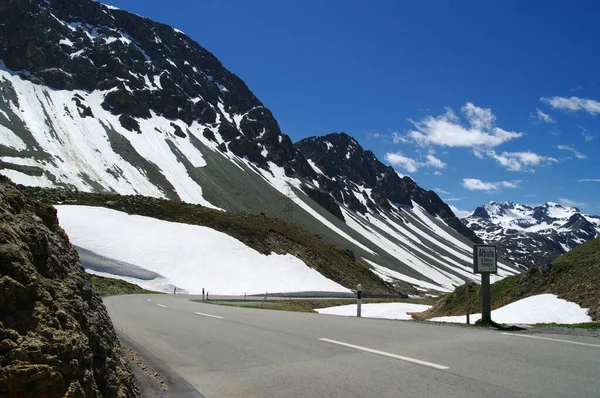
<point>359,299</point>
<point>485,263</point>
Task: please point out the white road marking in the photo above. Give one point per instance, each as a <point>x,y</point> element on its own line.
<point>209,315</point>
<point>149,300</point>
<point>387,354</point>
<point>550,339</point>
<point>160,305</point>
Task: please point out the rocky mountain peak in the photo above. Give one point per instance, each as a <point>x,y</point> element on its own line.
<point>142,69</point>
<point>356,178</point>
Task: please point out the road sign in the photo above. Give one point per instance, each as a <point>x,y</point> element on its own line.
<point>484,259</point>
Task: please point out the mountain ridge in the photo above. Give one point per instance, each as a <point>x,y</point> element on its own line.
<point>550,229</point>
<point>154,121</point>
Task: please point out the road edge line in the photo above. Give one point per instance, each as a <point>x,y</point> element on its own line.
<point>209,315</point>
<point>551,339</point>
<point>387,354</point>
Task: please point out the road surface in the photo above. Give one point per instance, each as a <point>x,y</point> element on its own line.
<point>241,352</point>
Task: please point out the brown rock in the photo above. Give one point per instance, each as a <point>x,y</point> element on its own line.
<point>56,339</point>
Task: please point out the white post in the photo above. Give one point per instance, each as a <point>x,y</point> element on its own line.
<point>359,299</point>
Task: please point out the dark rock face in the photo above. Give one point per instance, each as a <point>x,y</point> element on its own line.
<point>56,338</point>
<point>325,200</point>
<point>345,163</point>
<point>146,67</point>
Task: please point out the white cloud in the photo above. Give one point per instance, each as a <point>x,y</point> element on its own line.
<point>440,190</point>
<point>459,213</point>
<point>571,203</point>
<point>446,129</point>
<point>411,165</point>
<point>518,161</point>
<point>397,138</point>
<point>575,152</point>
<point>434,162</point>
<point>452,199</point>
<point>589,180</point>
<point>399,160</point>
<point>543,117</point>
<point>475,184</point>
<point>573,104</point>
<point>437,173</point>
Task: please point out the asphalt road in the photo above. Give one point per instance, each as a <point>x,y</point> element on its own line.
<point>242,352</point>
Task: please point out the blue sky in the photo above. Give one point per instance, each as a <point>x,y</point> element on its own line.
<point>480,101</point>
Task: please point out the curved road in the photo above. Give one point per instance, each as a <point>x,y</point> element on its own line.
<point>242,352</point>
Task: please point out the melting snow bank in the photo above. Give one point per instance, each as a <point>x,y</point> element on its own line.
<point>543,308</point>
<point>382,310</point>
<point>190,257</point>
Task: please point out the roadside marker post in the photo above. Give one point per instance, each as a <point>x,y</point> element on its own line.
<point>202,294</point>
<point>467,301</point>
<point>358,300</point>
<point>485,263</point>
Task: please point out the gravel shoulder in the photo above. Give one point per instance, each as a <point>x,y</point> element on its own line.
<point>154,377</point>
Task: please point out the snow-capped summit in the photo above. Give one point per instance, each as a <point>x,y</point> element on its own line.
<point>532,235</point>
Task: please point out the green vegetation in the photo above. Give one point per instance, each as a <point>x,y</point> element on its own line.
<point>574,276</point>
<point>589,325</point>
<point>112,287</point>
<point>263,233</point>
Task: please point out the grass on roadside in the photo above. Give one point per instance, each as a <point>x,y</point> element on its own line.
<point>588,325</point>
<point>112,287</point>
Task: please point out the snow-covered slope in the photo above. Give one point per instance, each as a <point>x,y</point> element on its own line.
<point>108,101</point>
<point>532,235</point>
<point>188,257</point>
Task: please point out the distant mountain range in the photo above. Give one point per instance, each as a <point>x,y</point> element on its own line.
<point>531,236</point>
<point>101,100</point>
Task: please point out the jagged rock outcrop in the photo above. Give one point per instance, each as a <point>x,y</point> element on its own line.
<point>56,338</point>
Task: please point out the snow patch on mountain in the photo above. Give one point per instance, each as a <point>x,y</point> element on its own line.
<point>189,257</point>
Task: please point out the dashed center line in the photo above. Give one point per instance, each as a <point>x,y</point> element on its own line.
<point>551,339</point>
<point>387,354</point>
<point>163,306</point>
<point>209,315</point>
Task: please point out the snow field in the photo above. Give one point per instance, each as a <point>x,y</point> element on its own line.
<point>543,308</point>
<point>380,310</point>
<point>190,257</point>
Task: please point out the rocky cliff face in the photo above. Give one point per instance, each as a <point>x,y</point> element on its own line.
<point>532,236</point>
<point>56,338</point>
